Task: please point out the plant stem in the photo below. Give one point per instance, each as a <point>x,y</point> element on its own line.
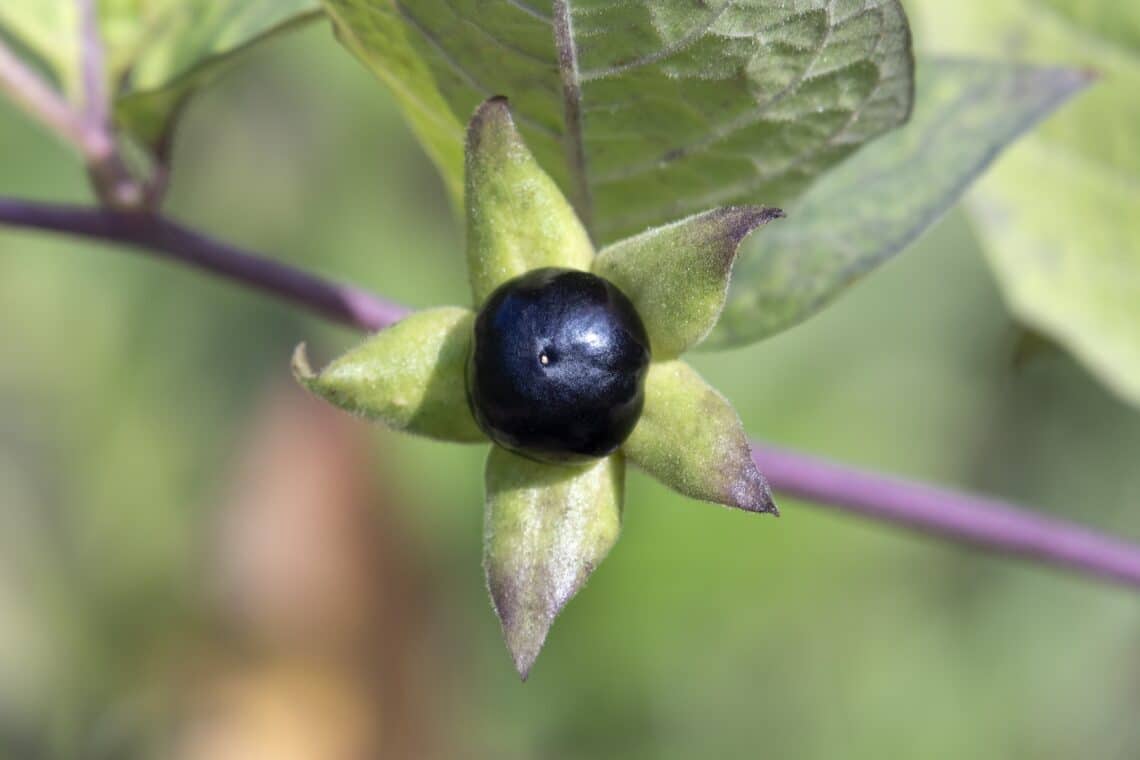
<point>983,522</point>
<point>169,240</point>
<point>89,132</point>
<point>946,514</point>
<point>32,93</point>
<point>96,106</point>
<point>109,174</point>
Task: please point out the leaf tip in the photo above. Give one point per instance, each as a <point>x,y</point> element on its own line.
<point>730,225</point>
<point>524,626</point>
<point>493,116</point>
<point>1070,82</point>
<point>524,662</point>
<point>743,220</point>
<point>302,370</point>
<point>1090,75</point>
<point>752,493</point>
<point>494,107</point>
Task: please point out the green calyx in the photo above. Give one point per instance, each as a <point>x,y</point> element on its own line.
<point>691,439</point>
<point>517,218</point>
<point>547,527</point>
<point>677,275</point>
<point>408,376</point>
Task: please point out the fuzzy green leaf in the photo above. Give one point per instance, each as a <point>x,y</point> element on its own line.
<point>647,111</point>
<point>691,439</point>
<point>159,52</point>
<point>546,528</point>
<point>1059,216</point>
<point>677,275</point>
<point>409,376</point>
<point>869,209</point>
<point>517,217</point>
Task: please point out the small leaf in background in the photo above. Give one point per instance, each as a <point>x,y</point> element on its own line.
<point>45,30</point>
<point>545,530</point>
<point>1060,215</point>
<point>677,275</point>
<point>691,439</point>
<point>645,112</point>
<point>408,376</point>
<point>180,46</point>
<point>159,52</point>
<point>871,207</point>
<point>517,217</point>
<point>377,37</point>
<point>1079,283</point>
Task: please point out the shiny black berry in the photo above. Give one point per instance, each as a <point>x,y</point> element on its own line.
<point>557,369</point>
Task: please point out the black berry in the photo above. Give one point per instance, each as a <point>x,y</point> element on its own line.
<point>557,369</point>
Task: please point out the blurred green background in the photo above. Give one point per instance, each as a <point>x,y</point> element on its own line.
<point>196,562</point>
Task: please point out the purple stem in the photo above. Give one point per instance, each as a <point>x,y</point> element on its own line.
<point>983,522</point>
<point>89,132</point>
<point>38,98</point>
<point>96,108</point>
<point>157,234</point>
<point>987,523</point>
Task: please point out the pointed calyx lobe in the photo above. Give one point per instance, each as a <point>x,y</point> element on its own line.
<point>408,376</point>
<point>517,217</point>
<point>690,438</point>
<point>677,275</point>
<point>546,529</point>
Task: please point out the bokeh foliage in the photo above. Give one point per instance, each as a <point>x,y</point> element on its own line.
<point>1060,215</point>
<point>159,52</point>
<point>870,208</point>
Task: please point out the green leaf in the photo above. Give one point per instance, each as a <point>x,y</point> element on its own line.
<point>1113,21</point>
<point>871,207</point>
<point>642,111</point>
<point>691,439</point>
<point>1078,282</point>
<point>409,376</point>
<point>159,52</point>
<point>47,31</point>
<point>180,46</point>
<point>677,275</point>
<point>517,218</point>
<point>1060,215</point>
<point>546,528</point>
<point>375,35</point>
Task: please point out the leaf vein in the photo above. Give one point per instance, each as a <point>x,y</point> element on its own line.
<point>463,74</point>
<point>666,51</point>
<point>723,131</point>
<point>529,10</point>
<point>572,105</point>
